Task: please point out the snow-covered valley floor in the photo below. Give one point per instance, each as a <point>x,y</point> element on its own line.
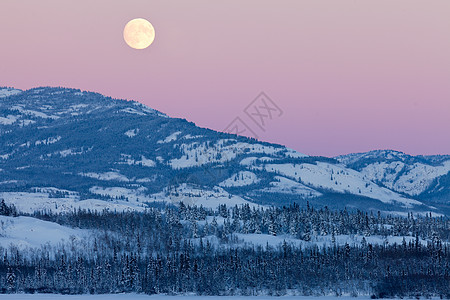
<point>164,297</point>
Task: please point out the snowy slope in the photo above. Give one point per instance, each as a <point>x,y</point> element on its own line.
<point>338,178</point>
<point>287,186</point>
<point>410,179</point>
<point>6,92</point>
<point>26,232</point>
<point>170,138</point>
<point>192,195</point>
<point>28,202</point>
<point>352,158</point>
<point>242,178</point>
<point>198,154</point>
<point>399,171</point>
<point>8,119</point>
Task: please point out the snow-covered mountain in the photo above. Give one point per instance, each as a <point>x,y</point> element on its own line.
<point>423,177</point>
<point>63,148</point>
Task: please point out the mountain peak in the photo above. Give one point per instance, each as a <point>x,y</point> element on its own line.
<point>40,102</point>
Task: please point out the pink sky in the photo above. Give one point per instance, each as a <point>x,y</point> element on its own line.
<point>350,76</point>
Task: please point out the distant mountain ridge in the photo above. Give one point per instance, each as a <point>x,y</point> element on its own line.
<point>426,177</point>
<point>390,155</point>
<point>65,148</point>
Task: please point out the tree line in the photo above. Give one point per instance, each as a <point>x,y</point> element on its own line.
<point>191,249</point>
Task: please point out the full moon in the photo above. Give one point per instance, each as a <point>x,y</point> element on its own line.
<point>139,33</point>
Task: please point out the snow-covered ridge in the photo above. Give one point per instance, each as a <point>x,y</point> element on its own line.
<point>54,103</point>
<point>410,179</point>
<point>34,113</point>
<point>6,92</point>
<point>147,109</point>
<point>197,154</point>
<point>340,179</point>
<point>398,171</point>
<point>348,159</point>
